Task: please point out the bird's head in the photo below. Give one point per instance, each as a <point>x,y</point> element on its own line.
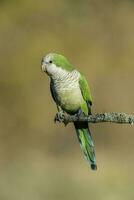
<point>54,63</point>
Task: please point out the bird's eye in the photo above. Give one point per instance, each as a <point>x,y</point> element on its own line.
<point>50,61</point>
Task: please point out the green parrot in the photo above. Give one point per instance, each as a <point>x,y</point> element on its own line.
<point>71,94</point>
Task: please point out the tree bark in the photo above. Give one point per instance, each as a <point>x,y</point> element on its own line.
<point>121,118</point>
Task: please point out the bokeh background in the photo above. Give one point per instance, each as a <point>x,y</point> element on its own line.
<point>42,160</point>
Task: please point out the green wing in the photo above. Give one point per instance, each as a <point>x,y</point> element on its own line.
<point>85,90</point>
<point>82,128</point>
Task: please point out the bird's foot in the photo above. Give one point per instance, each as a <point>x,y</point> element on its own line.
<point>80,114</point>
<point>59,117</point>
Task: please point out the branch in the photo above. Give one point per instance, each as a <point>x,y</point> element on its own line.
<point>113,117</point>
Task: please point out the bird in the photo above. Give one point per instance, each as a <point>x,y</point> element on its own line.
<point>71,93</point>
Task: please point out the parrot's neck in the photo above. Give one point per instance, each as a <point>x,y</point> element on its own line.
<point>66,80</point>
<point>55,72</point>
<point>60,74</point>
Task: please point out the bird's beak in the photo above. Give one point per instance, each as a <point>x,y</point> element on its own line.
<point>43,67</point>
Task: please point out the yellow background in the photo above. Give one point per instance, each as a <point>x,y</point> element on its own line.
<point>41,160</point>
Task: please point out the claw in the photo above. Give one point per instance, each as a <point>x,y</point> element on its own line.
<point>59,117</point>
<point>65,123</point>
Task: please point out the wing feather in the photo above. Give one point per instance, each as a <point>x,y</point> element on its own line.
<point>85,90</point>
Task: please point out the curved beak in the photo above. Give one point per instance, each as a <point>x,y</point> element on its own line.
<point>43,66</point>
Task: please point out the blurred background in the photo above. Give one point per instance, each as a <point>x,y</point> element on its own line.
<point>42,160</point>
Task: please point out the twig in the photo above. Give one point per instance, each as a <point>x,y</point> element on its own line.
<point>113,117</point>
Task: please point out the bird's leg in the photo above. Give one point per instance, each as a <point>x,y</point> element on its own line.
<point>80,113</point>
<point>59,115</point>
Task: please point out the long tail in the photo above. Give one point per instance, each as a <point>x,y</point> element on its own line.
<point>86,142</point>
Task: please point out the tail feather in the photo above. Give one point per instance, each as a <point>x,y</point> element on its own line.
<point>86,142</point>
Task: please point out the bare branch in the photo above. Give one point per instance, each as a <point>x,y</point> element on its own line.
<point>113,117</point>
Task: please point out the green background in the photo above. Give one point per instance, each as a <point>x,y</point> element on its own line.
<point>41,160</point>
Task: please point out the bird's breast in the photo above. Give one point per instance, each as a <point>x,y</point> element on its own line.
<point>68,94</point>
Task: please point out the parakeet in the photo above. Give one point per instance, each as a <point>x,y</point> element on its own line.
<point>71,94</point>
